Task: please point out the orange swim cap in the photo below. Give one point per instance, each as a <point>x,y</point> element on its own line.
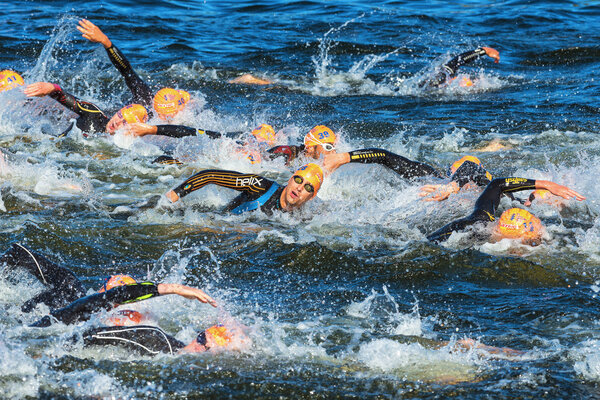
<point>219,334</point>
<point>313,174</point>
<point>253,156</point>
<point>125,318</point>
<point>116,280</point>
<point>265,133</point>
<point>320,135</point>
<point>168,102</point>
<point>456,165</point>
<point>10,80</point>
<point>517,223</point>
<point>134,113</point>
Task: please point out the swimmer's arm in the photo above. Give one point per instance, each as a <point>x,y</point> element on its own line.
<point>558,190</point>
<point>401,165</point>
<point>289,152</point>
<point>92,33</point>
<point>465,58</point>
<point>185,291</point>
<point>250,183</point>
<point>40,89</point>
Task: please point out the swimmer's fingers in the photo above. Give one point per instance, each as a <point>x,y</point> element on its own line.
<point>38,89</point>
<point>187,292</point>
<point>493,53</point>
<point>141,129</point>
<point>92,33</point>
<point>563,191</point>
<point>428,189</point>
<point>172,196</point>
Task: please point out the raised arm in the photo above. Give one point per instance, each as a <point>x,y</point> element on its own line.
<point>230,179</point>
<point>40,89</point>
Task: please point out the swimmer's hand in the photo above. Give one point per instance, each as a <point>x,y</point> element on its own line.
<point>171,195</point>
<point>469,344</point>
<point>248,79</point>
<point>39,89</point>
<point>559,190</point>
<point>186,291</point>
<point>92,33</point>
<point>141,129</point>
<point>438,192</point>
<point>492,53</point>
<point>331,162</point>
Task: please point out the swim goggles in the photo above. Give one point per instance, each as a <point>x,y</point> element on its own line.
<point>326,146</point>
<point>307,186</point>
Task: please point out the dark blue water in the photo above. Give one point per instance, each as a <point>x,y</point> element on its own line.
<point>349,299</point>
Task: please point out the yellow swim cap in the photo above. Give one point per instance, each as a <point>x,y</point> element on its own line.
<point>265,133</point>
<point>116,280</point>
<point>456,165</point>
<point>10,80</point>
<point>168,102</point>
<point>517,223</point>
<point>134,113</point>
<point>320,135</point>
<point>313,174</point>
<point>219,334</point>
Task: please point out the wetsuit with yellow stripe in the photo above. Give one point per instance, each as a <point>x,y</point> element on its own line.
<point>257,191</point>
<point>91,118</point>
<point>449,70</point>
<point>141,91</point>
<point>83,308</point>
<point>485,206</point>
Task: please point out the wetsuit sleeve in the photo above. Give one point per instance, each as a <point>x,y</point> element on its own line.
<point>401,165</point>
<point>451,67</point>
<point>485,206</point>
<point>289,152</point>
<point>471,172</point>
<point>142,93</point>
<point>73,103</point>
<point>179,131</point>
<point>83,308</point>
<point>248,183</point>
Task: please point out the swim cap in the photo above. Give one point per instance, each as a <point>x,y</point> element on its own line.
<point>253,156</point>
<point>465,81</point>
<point>456,165</point>
<point>218,334</point>
<point>320,135</point>
<point>10,80</point>
<point>168,101</point>
<point>125,318</point>
<point>116,280</point>
<point>134,113</point>
<point>265,133</point>
<point>313,174</point>
<point>517,223</point>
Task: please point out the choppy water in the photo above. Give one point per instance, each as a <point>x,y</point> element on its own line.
<point>350,299</point>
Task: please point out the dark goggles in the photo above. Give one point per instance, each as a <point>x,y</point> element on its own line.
<point>201,339</point>
<point>308,187</point>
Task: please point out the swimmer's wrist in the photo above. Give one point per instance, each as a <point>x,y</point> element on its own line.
<point>172,196</point>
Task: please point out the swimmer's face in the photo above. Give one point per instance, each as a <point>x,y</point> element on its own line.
<point>527,239</point>
<point>317,151</point>
<point>296,194</point>
<point>115,123</point>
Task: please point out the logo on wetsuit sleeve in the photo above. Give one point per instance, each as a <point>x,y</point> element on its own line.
<point>515,181</point>
<point>251,181</point>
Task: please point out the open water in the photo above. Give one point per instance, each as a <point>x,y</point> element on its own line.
<point>347,299</point>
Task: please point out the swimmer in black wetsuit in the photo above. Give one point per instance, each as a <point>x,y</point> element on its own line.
<point>257,191</point>
<point>448,72</point>
<point>526,228</point>
<point>166,102</point>
<point>91,117</point>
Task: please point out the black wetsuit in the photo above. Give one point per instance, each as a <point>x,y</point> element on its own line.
<point>450,69</point>
<point>288,152</point>
<point>257,191</point>
<point>91,117</point>
<point>485,206</point>
<point>63,287</point>
<point>141,91</point>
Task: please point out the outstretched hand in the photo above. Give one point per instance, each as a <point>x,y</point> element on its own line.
<point>92,33</point>
<point>559,190</point>
<point>39,89</point>
<point>141,129</point>
<point>187,292</point>
<point>438,192</point>
<point>492,53</point>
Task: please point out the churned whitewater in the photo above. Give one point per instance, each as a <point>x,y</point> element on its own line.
<point>346,299</point>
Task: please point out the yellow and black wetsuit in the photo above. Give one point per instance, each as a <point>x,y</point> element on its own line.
<point>257,191</point>
<point>485,206</point>
<point>141,91</point>
<point>62,286</point>
<point>450,69</point>
<point>91,118</point>
<point>179,131</point>
<point>83,308</point>
<point>401,165</point>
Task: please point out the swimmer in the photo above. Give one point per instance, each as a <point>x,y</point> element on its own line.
<point>258,192</point>
<point>515,223</point>
<point>166,102</point>
<point>10,80</point>
<point>320,141</point>
<point>91,117</point>
<point>448,72</point>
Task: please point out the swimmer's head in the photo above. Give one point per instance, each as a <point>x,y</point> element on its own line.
<point>520,224</point>
<point>168,102</point>
<point>264,133</point>
<point>116,280</point>
<point>465,81</point>
<point>303,185</point>
<point>10,80</point>
<point>457,164</point>
<point>320,140</point>
<point>129,114</point>
<point>545,197</point>
<point>125,318</point>
<point>215,336</point>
